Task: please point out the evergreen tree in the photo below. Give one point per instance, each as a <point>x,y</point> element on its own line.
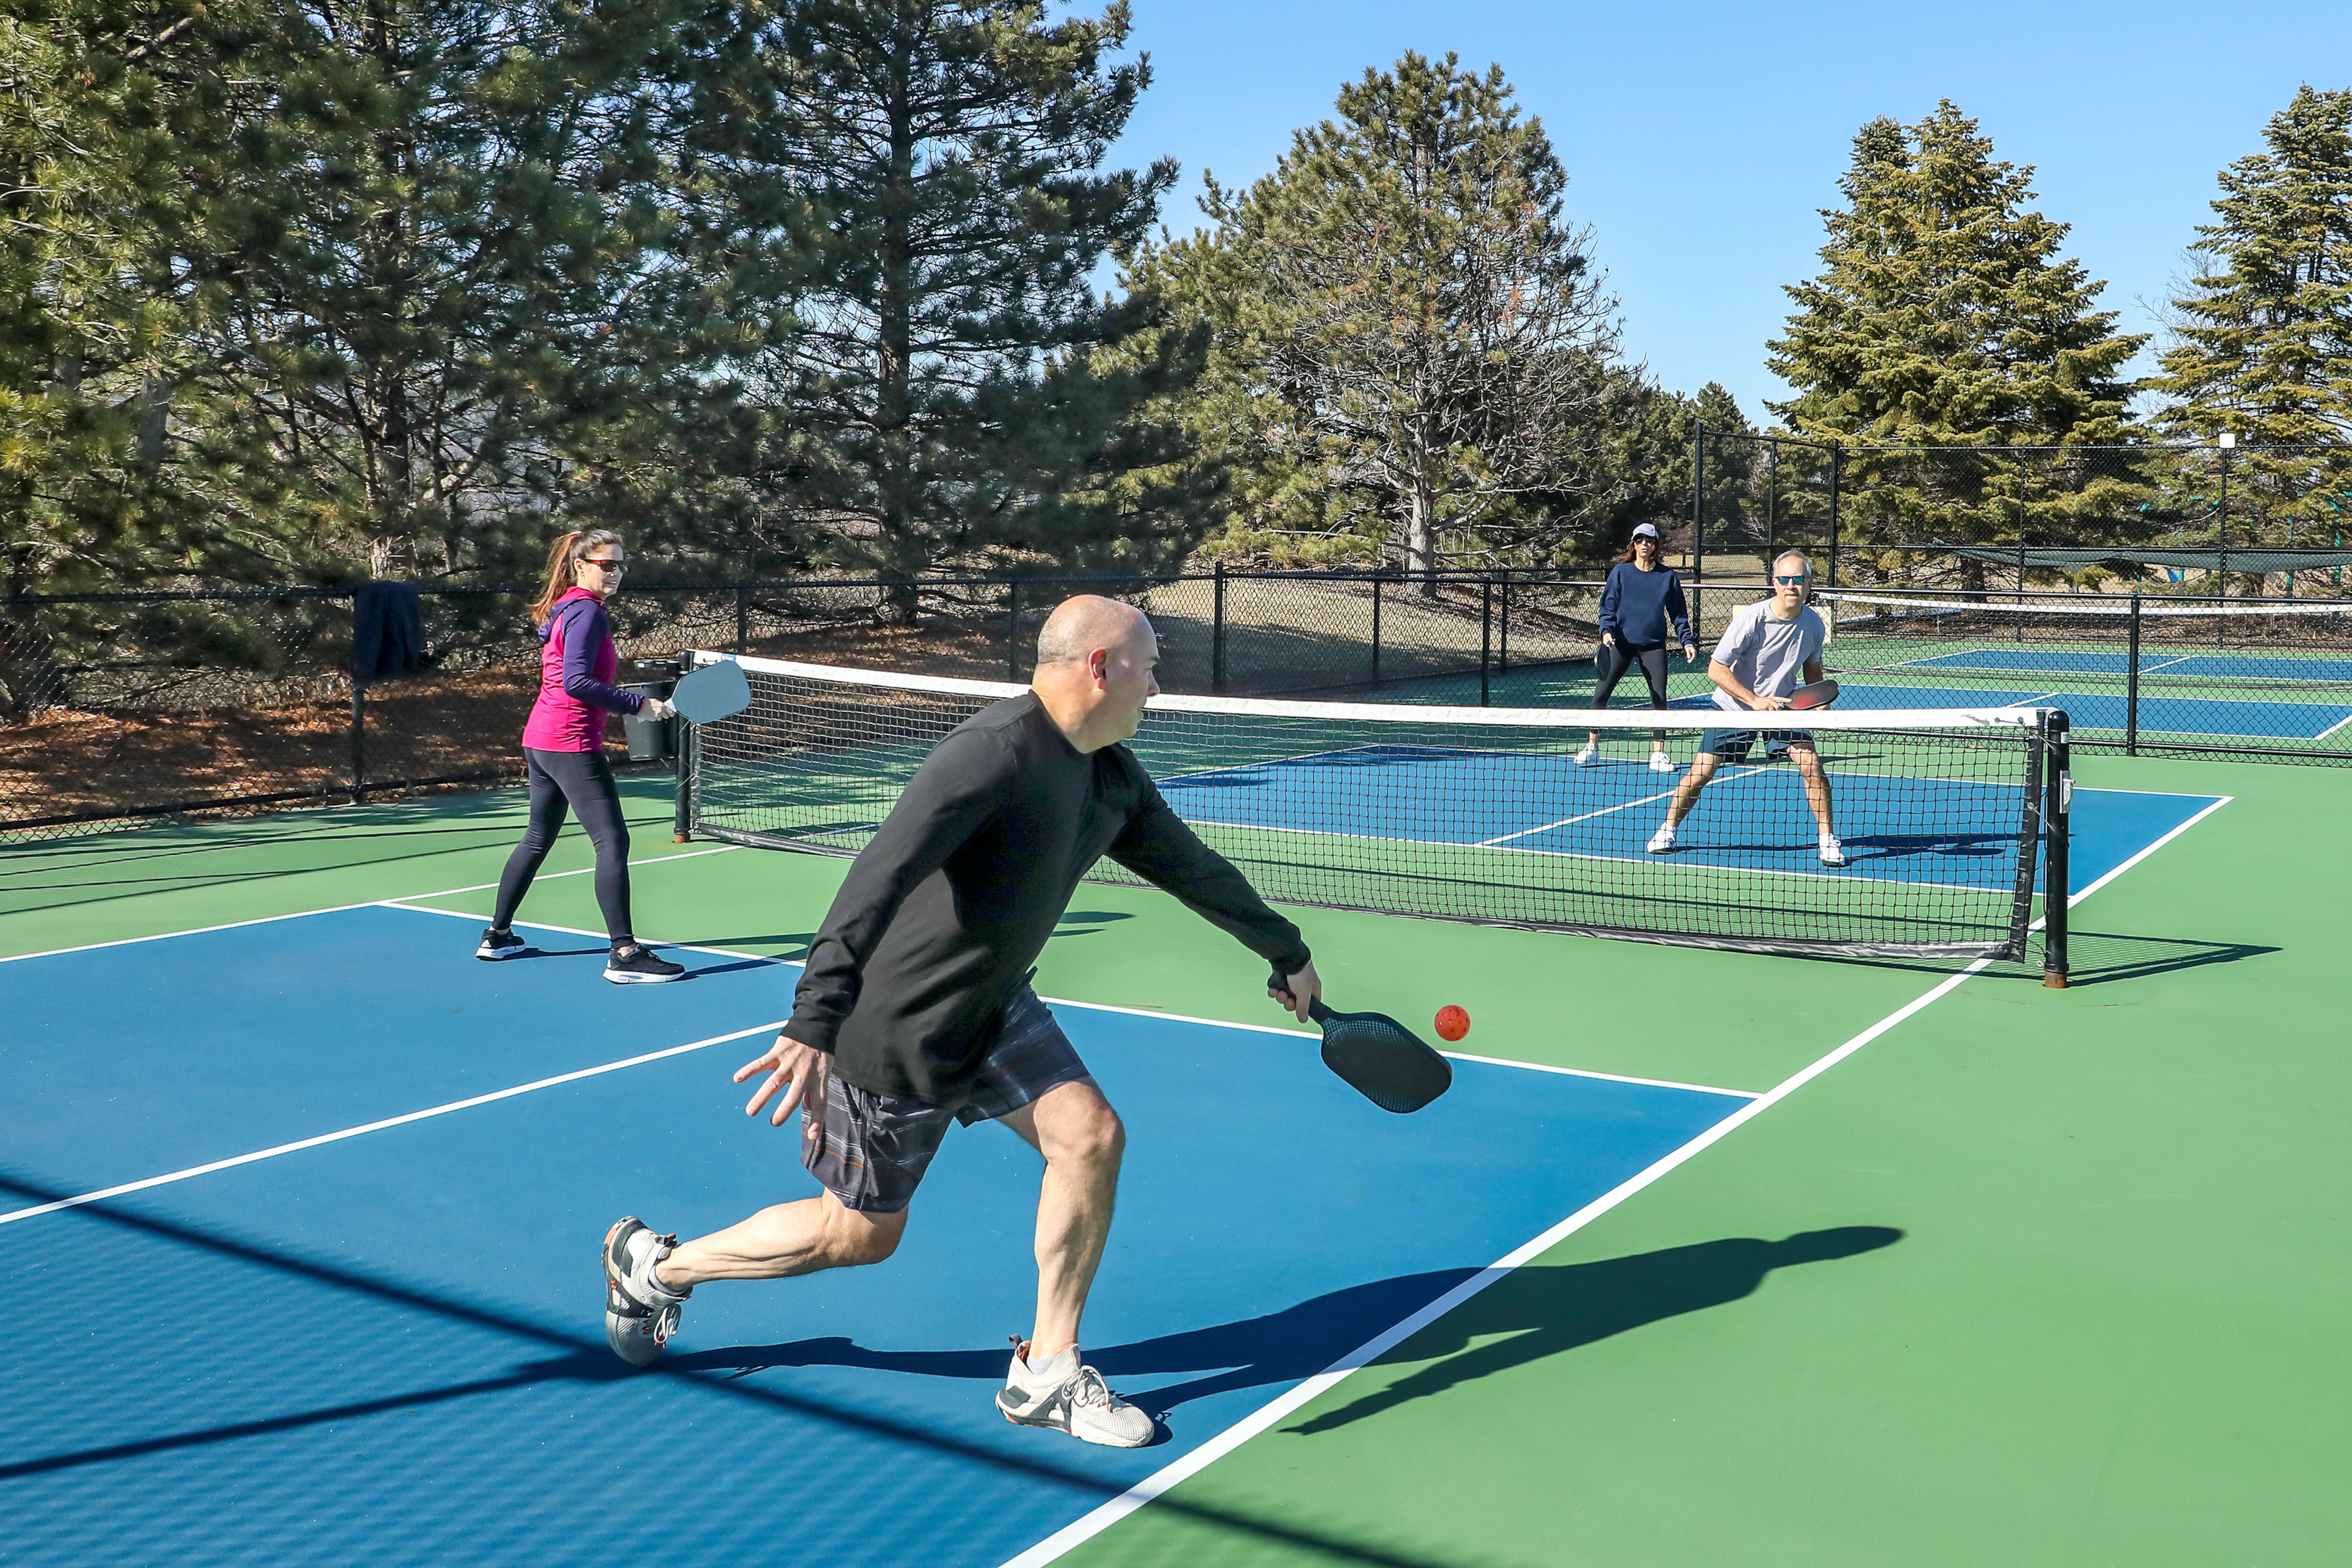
<point>948,388</point>
<point>1944,318</point>
<point>1410,341</point>
<point>409,230</point>
<point>2262,344</point>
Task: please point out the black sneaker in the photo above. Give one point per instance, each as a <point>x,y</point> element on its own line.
<point>497,944</point>
<point>635,964</point>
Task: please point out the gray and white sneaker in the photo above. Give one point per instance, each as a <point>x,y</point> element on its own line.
<point>1061,1393</point>
<point>640,1311</point>
<point>497,944</point>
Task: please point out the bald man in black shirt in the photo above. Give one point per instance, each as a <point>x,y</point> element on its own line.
<point>914,1011</point>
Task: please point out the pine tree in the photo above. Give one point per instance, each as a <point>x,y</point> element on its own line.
<point>1410,341</point>
<point>2262,344</point>
<point>938,384</point>
<point>408,229</point>
<point>1944,318</point>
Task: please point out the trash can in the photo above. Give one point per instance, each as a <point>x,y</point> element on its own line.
<point>650,740</point>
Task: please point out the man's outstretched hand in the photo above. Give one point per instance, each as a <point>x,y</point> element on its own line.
<point>798,1070</point>
<point>1298,991</point>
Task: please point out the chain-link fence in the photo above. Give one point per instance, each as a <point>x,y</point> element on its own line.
<point>2203,520</point>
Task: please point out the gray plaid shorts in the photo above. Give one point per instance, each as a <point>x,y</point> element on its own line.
<point>1733,745</point>
<point>871,1150</point>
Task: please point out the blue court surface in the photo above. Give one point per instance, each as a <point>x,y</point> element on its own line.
<point>2214,666</point>
<point>1753,818</point>
<point>2246,718</point>
<point>388,1348</point>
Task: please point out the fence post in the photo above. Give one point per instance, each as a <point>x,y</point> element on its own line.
<point>2020,547</point>
<point>1837,478</point>
<point>1376,629</point>
<point>1698,502</point>
<point>2131,685</point>
<point>1013,629</point>
<point>359,743</point>
<point>682,761</point>
<point>1485,640</point>
<point>743,623</point>
<point>1503,629</point>
<point>1771,501</point>
<point>1217,633</point>
<point>2227,441</point>
<point>2056,880</point>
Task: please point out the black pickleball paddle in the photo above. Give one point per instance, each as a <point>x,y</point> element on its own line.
<point>1819,694</point>
<point>1377,1056</point>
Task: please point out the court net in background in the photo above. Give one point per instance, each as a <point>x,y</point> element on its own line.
<point>1477,814</point>
<point>2242,677</point>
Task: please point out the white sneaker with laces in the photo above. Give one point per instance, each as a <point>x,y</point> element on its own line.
<point>640,1312</point>
<point>1660,764</point>
<point>1663,839</point>
<point>1832,852</point>
<point>1584,758</point>
<point>1060,1392</point>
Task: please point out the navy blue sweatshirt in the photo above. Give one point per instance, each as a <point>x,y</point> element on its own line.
<point>1636,606</point>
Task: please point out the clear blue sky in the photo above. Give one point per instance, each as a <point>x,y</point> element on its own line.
<point>1701,139</point>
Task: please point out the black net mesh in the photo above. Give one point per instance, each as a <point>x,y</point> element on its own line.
<point>1497,816</point>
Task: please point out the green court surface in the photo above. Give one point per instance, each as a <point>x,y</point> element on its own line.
<point>2098,1319</point>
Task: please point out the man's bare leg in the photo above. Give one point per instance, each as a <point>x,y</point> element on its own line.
<point>1702,769</point>
<point>1817,785</point>
<point>1081,1137</point>
<point>802,1238</point>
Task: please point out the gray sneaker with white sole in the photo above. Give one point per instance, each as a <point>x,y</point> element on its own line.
<point>1064,1395</point>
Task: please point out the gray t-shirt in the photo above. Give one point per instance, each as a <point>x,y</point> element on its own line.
<point>1768,654</point>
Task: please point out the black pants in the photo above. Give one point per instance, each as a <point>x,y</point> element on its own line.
<point>1612,661</point>
<point>584,779</point>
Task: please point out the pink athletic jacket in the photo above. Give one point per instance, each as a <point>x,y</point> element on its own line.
<point>577,662</point>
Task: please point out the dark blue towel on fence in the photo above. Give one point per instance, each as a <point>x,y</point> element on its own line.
<point>387,632</point>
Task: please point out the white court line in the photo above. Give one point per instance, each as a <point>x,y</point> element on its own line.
<point>142,1185</point>
<point>1134,1012</point>
<point>343,908</point>
<point>1102,1518</point>
<point>1563,822</point>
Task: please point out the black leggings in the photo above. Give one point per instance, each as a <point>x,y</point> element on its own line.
<point>1612,661</point>
<point>585,780</point>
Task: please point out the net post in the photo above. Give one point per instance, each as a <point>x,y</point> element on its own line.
<point>2059,801</point>
<point>1217,632</point>
<point>359,743</point>
<point>1486,641</point>
<point>682,777</point>
<point>2131,684</point>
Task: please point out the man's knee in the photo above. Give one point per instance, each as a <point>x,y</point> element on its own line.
<point>859,1237</point>
<point>1081,1129</point>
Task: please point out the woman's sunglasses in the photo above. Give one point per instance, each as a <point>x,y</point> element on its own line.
<point>611,568</point>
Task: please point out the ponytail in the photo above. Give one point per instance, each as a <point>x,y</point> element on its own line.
<point>557,580</point>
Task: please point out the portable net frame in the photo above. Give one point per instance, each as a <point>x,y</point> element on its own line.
<point>1484,814</point>
<point>2236,677</point>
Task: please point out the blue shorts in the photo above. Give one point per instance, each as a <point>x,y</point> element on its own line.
<point>870,1149</point>
<point>1733,745</point>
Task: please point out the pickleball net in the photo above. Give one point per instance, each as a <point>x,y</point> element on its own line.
<point>1479,814</point>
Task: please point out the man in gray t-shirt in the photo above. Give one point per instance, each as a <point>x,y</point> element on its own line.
<point>1771,645</point>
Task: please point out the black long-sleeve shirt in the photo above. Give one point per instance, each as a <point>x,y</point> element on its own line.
<point>951,903</point>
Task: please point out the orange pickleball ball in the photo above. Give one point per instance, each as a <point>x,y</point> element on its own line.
<point>1453,1023</point>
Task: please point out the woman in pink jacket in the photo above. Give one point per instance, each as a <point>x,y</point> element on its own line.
<point>563,749</point>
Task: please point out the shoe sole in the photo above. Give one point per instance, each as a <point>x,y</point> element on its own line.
<point>486,956</point>
<point>626,977</point>
<point>1069,1432</point>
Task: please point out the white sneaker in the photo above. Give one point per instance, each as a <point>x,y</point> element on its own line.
<point>1061,1393</point>
<point>640,1311</point>
<point>1584,758</point>
<point>1660,764</point>
<point>1663,839</point>
<point>1832,852</point>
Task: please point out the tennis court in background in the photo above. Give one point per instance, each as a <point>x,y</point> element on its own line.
<point>381,1339</point>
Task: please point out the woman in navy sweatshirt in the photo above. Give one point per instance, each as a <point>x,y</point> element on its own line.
<point>1636,602</point>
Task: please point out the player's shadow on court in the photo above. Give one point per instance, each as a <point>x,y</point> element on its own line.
<point>1546,1311</point>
